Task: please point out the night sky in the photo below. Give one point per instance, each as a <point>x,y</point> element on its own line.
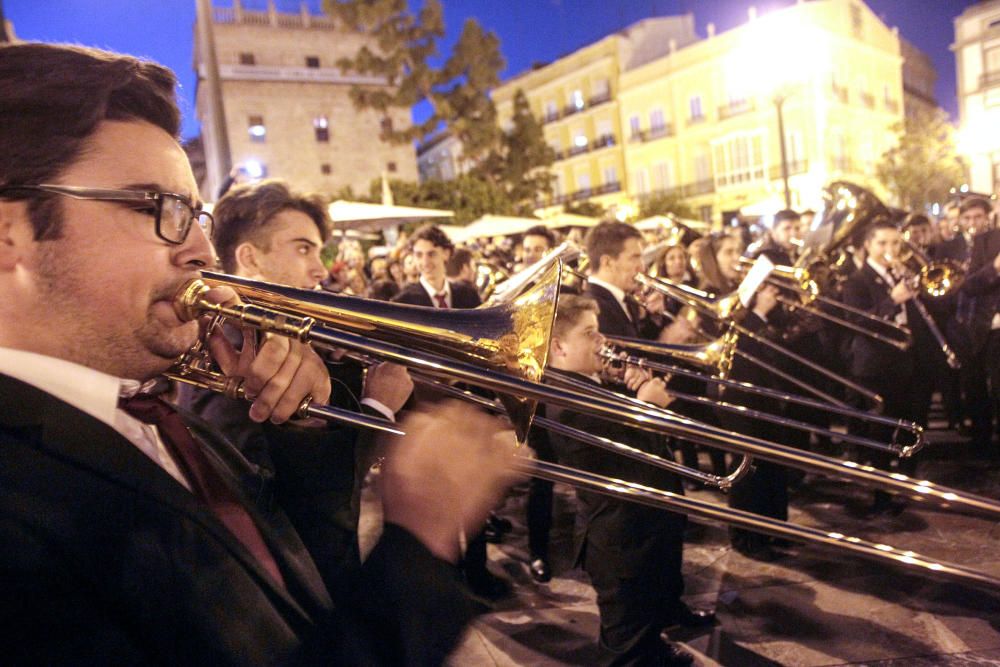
<point>529,30</point>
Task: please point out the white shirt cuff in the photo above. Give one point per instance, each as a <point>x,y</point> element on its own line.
<point>379,407</point>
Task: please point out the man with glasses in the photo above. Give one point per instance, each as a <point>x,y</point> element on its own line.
<point>128,532</point>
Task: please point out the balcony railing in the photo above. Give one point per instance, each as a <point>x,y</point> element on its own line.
<point>658,132</point>
<point>571,109</point>
<point>605,140</point>
<point>735,109</point>
<point>577,150</point>
<point>550,117</point>
<point>696,120</point>
<point>794,167</point>
<point>987,79</point>
<point>580,195</point>
<point>600,98</point>
<point>840,92</point>
<point>867,99</point>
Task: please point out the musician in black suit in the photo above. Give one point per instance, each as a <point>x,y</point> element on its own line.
<point>982,322</point>
<point>877,288</point>
<point>125,536</point>
<point>615,253</point>
<point>431,248</point>
<point>267,231</point>
<point>777,244</point>
<point>632,553</point>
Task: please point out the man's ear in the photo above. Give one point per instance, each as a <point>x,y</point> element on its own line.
<point>246,259</point>
<point>556,348</point>
<point>16,233</point>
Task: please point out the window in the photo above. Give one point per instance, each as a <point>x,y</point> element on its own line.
<point>321,125</point>
<point>634,126</point>
<point>993,59</point>
<point>256,129</point>
<point>325,169</point>
<point>610,174</point>
<point>390,167</point>
<point>702,172</point>
<point>578,102</point>
<point>695,107</point>
<point>551,111</point>
<point>857,24</point>
<point>386,127</point>
<point>656,124</point>
<point>738,159</point>
<point>641,182</point>
<point>662,176</point>
<point>583,181</point>
<point>602,91</point>
<point>312,62</point>
<point>247,59</point>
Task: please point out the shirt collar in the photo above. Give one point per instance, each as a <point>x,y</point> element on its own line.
<point>882,272</point>
<point>433,292</point>
<point>616,292</point>
<point>86,389</point>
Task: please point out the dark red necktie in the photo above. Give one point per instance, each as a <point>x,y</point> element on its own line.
<point>442,299</point>
<point>205,481</point>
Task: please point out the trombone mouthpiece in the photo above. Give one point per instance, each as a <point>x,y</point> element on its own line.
<point>188,299</point>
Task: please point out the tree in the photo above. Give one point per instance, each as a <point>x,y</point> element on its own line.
<point>591,209</point>
<point>665,204</point>
<point>457,91</point>
<point>924,165</point>
<point>520,164</point>
<point>468,196</point>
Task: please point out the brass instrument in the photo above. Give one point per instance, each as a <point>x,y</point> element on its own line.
<point>503,348</point>
<point>722,308</point>
<point>617,351</point>
<point>798,280</point>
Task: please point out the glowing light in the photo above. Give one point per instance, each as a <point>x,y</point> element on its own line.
<point>254,168</point>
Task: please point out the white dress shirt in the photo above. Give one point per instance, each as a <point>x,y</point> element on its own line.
<point>616,292</point>
<point>433,292</point>
<point>94,393</point>
<point>884,274</point>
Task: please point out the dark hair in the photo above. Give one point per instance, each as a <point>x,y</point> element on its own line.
<point>459,258</point>
<point>786,214</point>
<point>383,290</point>
<point>434,234</point>
<point>703,254</point>
<point>542,230</point>
<point>914,219</point>
<point>608,238</point>
<point>876,226</point>
<point>244,212</point>
<point>569,310</point>
<point>975,202</point>
<point>53,97</point>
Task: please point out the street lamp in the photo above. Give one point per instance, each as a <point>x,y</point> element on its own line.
<point>779,103</point>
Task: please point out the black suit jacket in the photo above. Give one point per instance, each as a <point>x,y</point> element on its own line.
<point>463,295</point>
<point>983,286</point>
<point>106,559</point>
<point>866,290</point>
<point>613,321</point>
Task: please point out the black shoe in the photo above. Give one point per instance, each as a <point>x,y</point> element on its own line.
<point>540,570</point>
<point>487,586</point>
<point>694,618</point>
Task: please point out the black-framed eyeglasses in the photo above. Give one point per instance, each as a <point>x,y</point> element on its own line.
<point>173,213</point>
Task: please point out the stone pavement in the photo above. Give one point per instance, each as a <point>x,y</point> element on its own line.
<point>812,607</point>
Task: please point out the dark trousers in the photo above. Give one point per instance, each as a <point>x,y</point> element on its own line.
<point>981,377</point>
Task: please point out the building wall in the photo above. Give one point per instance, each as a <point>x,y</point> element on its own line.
<point>977,61</point>
<point>698,117</point>
<point>293,98</point>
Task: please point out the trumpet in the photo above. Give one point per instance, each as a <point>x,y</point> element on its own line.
<point>503,348</point>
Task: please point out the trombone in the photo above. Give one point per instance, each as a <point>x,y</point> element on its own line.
<point>722,308</point>
<point>503,348</point>
<point>799,281</point>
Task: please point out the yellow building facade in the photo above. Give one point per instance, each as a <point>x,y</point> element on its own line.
<point>700,119</point>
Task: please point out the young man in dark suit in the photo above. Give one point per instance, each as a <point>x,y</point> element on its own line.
<point>982,293</point>
<point>431,249</point>
<point>267,231</point>
<point>128,533</point>
<point>632,553</point>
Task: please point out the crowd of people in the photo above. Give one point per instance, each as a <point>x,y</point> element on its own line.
<point>142,523</point>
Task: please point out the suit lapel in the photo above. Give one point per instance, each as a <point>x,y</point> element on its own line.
<point>71,435</point>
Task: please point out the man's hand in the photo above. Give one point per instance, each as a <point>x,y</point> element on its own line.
<point>277,376</point>
<point>901,292</point>
<point>653,302</point>
<point>655,392</point>
<point>389,384</point>
<point>678,332</point>
<point>443,477</point>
